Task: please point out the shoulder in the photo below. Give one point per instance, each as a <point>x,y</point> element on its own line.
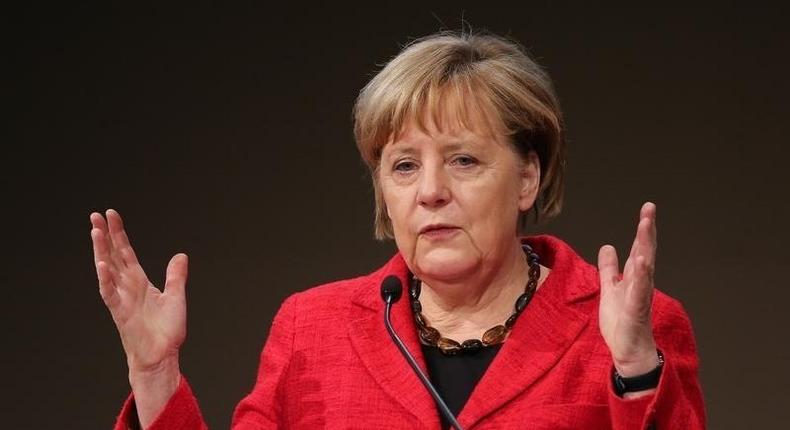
<point>330,293</point>
<point>333,299</point>
<point>671,322</point>
<point>571,277</point>
<point>668,308</point>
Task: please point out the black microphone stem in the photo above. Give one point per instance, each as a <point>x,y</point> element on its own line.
<point>436,397</point>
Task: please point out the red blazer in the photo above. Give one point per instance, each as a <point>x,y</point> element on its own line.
<point>329,364</point>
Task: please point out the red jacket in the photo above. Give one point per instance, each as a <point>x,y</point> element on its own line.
<point>329,364</point>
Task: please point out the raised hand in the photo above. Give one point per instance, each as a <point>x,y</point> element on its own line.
<point>151,323</point>
<point>625,307</point>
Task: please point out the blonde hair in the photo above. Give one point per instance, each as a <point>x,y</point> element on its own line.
<point>488,73</point>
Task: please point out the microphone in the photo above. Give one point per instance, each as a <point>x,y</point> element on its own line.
<point>391,290</point>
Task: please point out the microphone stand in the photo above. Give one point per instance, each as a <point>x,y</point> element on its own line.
<point>389,299</point>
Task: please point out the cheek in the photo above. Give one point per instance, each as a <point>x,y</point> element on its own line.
<point>393,205</point>
<point>495,211</point>
<point>398,211</point>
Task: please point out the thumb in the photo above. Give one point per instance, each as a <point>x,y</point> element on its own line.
<point>176,275</point>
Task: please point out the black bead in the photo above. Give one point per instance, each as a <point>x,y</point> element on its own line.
<point>414,289</point>
<point>521,303</point>
<point>471,345</point>
<point>511,321</point>
<point>416,307</point>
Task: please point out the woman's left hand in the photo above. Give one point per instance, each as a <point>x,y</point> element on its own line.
<point>625,308</point>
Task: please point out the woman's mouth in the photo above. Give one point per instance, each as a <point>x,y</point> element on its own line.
<point>438,231</point>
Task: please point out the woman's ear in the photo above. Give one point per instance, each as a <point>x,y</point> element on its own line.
<point>530,181</point>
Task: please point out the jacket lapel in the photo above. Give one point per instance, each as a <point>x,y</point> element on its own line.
<point>378,352</point>
<point>546,329</point>
<point>556,316</point>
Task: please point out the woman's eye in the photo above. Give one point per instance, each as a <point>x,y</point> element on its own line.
<point>464,161</point>
<point>405,166</point>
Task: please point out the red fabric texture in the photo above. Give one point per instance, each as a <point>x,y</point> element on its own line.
<point>329,364</point>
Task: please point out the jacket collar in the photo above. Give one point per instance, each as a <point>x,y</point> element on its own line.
<point>552,321</point>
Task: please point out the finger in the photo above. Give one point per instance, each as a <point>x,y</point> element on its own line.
<point>98,237</point>
<point>98,221</point>
<point>107,286</point>
<point>176,275</point>
<point>646,234</point>
<point>101,253</point>
<point>101,223</point>
<point>636,248</point>
<point>608,267</point>
<point>119,238</point>
<point>649,211</point>
<point>100,249</point>
<point>645,239</point>
<point>640,295</point>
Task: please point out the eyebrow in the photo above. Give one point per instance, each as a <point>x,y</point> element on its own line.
<point>407,149</point>
<point>400,150</point>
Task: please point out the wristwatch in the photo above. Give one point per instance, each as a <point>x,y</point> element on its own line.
<point>638,383</point>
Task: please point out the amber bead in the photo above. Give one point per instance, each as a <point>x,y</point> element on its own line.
<point>448,346</point>
<point>495,335</point>
<point>430,335</point>
<point>420,320</point>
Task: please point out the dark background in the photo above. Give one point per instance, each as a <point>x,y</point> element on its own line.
<point>226,133</point>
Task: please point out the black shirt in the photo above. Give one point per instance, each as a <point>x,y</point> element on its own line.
<point>456,376</point>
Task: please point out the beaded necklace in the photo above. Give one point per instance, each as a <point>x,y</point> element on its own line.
<point>495,335</point>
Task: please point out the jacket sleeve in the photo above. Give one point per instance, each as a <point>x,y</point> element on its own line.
<point>180,412</point>
<point>677,402</point>
<point>263,408</point>
<point>260,410</point>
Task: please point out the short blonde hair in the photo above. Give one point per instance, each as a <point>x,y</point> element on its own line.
<point>489,72</point>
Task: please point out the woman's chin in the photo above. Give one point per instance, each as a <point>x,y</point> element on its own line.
<point>446,264</point>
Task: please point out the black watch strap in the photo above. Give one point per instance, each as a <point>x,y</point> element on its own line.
<point>638,383</point>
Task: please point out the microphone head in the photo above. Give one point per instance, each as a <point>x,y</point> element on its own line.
<point>391,289</point>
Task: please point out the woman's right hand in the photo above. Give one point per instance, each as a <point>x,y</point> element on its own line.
<point>151,323</point>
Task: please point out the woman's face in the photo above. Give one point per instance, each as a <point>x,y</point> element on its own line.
<point>454,197</point>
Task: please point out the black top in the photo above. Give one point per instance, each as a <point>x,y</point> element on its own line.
<point>456,376</point>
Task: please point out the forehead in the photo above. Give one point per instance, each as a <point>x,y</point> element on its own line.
<point>457,118</point>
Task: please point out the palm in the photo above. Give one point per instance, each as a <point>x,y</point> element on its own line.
<point>151,323</point>
<point>625,307</point>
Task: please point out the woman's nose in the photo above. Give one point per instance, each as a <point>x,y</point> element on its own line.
<point>433,188</point>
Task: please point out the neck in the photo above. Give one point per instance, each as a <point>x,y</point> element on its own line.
<point>465,309</point>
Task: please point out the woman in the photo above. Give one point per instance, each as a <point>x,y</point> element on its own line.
<point>463,137</point>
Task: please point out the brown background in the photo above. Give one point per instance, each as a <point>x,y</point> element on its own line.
<point>226,133</point>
